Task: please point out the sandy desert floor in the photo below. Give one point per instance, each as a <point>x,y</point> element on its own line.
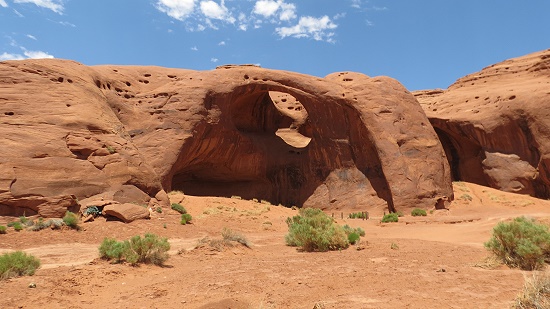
<point>436,261</point>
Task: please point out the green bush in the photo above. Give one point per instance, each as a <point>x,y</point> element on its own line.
<point>149,249</point>
<point>358,215</point>
<point>521,243</point>
<point>71,220</point>
<point>391,217</point>
<point>17,226</point>
<point>3,229</point>
<point>177,207</point>
<point>353,238</point>
<point>417,212</point>
<point>313,230</point>
<point>17,263</point>
<point>186,218</point>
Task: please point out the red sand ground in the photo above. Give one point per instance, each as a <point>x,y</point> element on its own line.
<point>436,264</point>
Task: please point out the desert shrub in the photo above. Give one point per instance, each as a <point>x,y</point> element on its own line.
<point>229,235</point>
<point>17,263</point>
<point>177,207</point>
<point>536,292</point>
<point>186,218</point>
<point>92,210</point>
<point>71,220</point>
<point>158,210</point>
<point>25,221</point>
<point>17,226</point>
<point>40,225</point>
<point>111,249</point>
<point>56,223</point>
<point>353,238</point>
<point>149,249</point>
<point>358,215</point>
<point>348,230</point>
<point>521,243</point>
<point>313,230</point>
<point>391,217</point>
<point>418,212</point>
<point>3,229</point>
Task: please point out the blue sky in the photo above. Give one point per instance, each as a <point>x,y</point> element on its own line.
<point>424,44</point>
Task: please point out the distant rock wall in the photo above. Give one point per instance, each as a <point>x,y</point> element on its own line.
<point>70,132</point>
<point>495,125</point>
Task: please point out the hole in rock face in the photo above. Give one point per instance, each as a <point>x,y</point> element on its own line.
<point>258,159</point>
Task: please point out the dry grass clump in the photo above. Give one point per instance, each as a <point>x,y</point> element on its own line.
<point>536,292</point>
<point>229,238</point>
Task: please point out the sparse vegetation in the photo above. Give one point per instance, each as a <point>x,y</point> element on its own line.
<point>177,207</point>
<point>394,246</point>
<point>16,264</point>
<point>71,220</point>
<point>391,217</point>
<point>17,226</point>
<point>159,210</point>
<point>92,210</point>
<point>230,235</point>
<point>149,249</point>
<point>400,214</point>
<point>536,292</point>
<point>3,229</point>
<point>418,212</point>
<point>521,243</point>
<point>186,218</point>
<point>313,230</point>
<point>358,215</point>
<point>236,197</point>
<point>466,197</point>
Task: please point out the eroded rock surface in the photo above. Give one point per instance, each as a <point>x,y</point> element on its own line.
<point>495,125</point>
<point>343,141</point>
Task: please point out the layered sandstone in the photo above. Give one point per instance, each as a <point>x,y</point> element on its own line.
<point>70,132</point>
<point>495,125</point>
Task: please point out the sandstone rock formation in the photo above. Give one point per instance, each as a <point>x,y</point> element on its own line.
<point>126,212</point>
<point>71,132</point>
<point>495,125</point>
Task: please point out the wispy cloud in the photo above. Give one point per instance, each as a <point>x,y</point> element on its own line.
<point>214,60</point>
<point>5,56</point>
<point>17,13</point>
<point>320,29</point>
<point>27,54</point>
<point>30,36</point>
<point>3,4</point>
<point>222,43</point>
<point>194,48</point>
<point>37,54</point>
<point>54,5</point>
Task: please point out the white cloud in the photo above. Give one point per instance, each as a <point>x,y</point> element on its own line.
<point>54,5</point>
<point>213,10</point>
<point>214,60</point>
<point>3,3</point>
<point>5,56</point>
<point>266,8</point>
<point>243,27</point>
<point>177,9</point>
<point>37,54</point>
<point>30,36</point>
<point>269,8</point>
<point>194,48</point>
<point>317,28</point>
<point>27,54</point>
<point>356,4</point>
<point>222,43</point>
<point>17,13</point>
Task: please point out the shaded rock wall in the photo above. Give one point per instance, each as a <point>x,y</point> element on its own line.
<point>495,125</point>
<point>346,140</point>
